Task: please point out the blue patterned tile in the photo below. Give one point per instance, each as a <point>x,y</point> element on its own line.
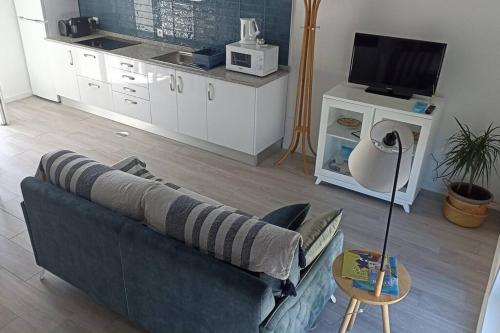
<point>194,23</point>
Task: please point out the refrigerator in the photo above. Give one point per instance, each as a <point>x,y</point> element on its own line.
<point>38,20</point>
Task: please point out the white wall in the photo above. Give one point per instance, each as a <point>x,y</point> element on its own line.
<point>470,80</point>
<point>13,73</point>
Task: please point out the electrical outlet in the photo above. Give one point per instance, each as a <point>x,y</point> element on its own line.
<point>159,32</point>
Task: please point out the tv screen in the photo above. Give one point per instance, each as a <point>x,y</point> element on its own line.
<point>396,64</point>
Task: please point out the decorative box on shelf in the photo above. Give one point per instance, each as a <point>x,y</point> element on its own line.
<point>348,113</point>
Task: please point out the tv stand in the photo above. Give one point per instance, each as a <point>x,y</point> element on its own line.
<point>389,92</point>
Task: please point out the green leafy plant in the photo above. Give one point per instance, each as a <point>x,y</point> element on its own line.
<point>471,157</point>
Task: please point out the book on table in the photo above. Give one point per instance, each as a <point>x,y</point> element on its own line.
<point>362,267</point>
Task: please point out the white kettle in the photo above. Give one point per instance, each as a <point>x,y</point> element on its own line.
<point>249,31</point>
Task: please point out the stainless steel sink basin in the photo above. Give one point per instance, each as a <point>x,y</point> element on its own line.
<point>180,58</point>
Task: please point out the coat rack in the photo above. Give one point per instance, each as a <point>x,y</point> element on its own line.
<point>302,117</point>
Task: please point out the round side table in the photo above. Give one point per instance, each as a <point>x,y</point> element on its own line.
<point>359,296</point>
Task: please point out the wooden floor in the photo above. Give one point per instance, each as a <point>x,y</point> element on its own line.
<point>449,265</point>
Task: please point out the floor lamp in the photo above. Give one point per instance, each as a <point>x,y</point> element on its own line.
<point>302,116</point>
<point>382,163</point>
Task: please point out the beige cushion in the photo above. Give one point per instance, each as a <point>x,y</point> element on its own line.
<point>318,232</point>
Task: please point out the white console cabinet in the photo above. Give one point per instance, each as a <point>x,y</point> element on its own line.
<point>335,141</point>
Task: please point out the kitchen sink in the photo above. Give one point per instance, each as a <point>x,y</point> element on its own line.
<point>180,58</point>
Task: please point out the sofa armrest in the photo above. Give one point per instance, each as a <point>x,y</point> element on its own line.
<point>298,314</point>
<point>173,288</point>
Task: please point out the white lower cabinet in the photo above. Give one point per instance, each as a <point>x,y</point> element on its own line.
<point>192,104</point>
<point>96,93</point>
<point>63,61</point>
<point>231,115</point>
<point>240,117</point>
<point>91,64</point>
<point>163,96</point>
<point>131,106</point>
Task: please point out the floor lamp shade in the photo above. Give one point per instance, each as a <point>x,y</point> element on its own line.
<point>372,162</point>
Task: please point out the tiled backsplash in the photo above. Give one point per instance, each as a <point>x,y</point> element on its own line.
<point>196,23</point>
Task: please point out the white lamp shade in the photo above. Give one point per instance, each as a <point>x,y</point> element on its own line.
<point>373,164</point>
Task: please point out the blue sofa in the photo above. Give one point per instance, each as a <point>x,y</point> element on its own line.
<point>158,282</point>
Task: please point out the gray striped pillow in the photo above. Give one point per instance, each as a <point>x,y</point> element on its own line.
<point>111,188</point>
<point>238,239</point>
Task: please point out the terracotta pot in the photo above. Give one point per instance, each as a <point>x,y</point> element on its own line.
<point>464,211</point>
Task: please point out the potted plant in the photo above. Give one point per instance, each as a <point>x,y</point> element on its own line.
<point>469,161</point>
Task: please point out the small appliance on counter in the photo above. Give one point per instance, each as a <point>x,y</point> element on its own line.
<point>77,27</point>
<point>249,31</point>
<point>253,59</point>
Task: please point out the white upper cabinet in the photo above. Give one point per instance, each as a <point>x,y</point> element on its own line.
<point>163,95</point>
<point>91,64</point>
<point>64,66</point>
<point>192,104</point>
<point>231,115</point>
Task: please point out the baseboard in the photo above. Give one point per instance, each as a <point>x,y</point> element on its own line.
<point>198,143</point>
<point>17,97</point>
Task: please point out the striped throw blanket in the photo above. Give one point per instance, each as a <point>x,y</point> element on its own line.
<point>238,239</point>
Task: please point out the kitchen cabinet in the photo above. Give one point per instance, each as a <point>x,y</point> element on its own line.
<point>132,107</point>
<point>337,141</point>
<point>191,104</point>
<point>126,64</point>
<point>96,93</point>
<point>231,115</point>
<point>64,69</point>
<point>163,96</point>
<point>91,64</point>
<point>233,119</point>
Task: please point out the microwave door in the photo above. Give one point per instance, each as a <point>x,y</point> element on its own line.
<point>241,59</point>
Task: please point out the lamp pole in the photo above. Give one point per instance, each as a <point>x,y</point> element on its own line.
<point>389,140</point>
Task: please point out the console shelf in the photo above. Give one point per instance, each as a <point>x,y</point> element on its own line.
<point>336,141</point>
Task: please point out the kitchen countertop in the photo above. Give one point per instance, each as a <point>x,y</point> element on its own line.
<point>150,49</point>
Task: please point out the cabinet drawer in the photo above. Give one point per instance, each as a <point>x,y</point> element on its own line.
<point>95,93</point>
<point>132,107</point>
<point>131,90</point>
<point>123,77</point>
<point>91,64</point>
<point>126,64</point>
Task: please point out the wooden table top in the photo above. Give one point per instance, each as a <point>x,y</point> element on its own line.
<point>367,296</point>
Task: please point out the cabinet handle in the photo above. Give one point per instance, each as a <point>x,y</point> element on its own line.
<point>129,101</point>
<point>93,85</point>
<point>126,64</point>
<point>129,89</point>
<point>71,63</point>
<point>131,78</point>
<point>172,82</point>
<point>86,55</point>
<point>211,92</point>
<point>180,85</point>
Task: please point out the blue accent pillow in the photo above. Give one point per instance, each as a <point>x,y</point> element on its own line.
<point>288,217</point>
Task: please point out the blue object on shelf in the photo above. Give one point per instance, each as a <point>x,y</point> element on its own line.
<point>420,107</point>
<point>346,151</point>
<point>209,57</point>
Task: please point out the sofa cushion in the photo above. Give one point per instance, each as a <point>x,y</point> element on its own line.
<point>317,233</point>
<point>288,217</point>
<point>238,239</point>
<point>96,182</point>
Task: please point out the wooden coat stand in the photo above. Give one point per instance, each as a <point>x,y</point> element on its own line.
<point>302,117</point>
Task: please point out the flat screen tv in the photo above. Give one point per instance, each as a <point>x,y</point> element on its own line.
<point>396,67</point>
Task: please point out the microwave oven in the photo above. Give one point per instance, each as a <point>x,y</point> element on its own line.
<point>258,60</point>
